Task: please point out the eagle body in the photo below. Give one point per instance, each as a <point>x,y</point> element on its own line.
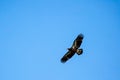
<point>74,49</point>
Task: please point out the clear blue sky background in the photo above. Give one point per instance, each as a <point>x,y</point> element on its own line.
<point>35,34</point>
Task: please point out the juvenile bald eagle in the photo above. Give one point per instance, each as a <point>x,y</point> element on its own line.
<point>74,49</point>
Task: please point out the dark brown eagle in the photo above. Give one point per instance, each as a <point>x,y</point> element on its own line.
<point>74,49</point>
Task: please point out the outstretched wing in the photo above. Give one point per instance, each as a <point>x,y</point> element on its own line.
<point>77,42</point>
<point>67,56</point>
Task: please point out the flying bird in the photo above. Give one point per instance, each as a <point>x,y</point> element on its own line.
<point>74,49</point>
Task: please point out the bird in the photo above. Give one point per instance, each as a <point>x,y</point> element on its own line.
<point>74,48</point>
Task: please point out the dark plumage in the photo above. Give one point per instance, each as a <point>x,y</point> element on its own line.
<point>74,49</point>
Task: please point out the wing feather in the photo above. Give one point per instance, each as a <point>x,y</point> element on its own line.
<point>77,42</point>
<point>67,56</point>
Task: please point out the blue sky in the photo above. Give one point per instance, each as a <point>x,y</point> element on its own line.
<point>35,34</point>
